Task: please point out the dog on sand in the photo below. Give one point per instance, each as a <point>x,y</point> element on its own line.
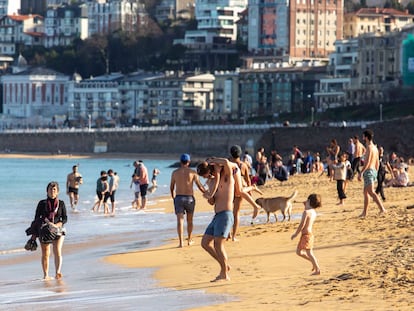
<point>272,205</point>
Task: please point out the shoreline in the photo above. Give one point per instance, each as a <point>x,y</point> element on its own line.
<point>34,155</point>
<point>361,259</point>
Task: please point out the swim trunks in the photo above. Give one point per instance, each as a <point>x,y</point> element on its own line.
<point>143,188</point>
<point>221,224</point>
<point>370,177</point>
<point>74,190</point>
<point>184,204</point>
<point>306,241</point>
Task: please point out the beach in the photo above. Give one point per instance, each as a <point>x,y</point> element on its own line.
<point>366,263</point>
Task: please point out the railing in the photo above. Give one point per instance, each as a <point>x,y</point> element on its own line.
<point>361,124</point>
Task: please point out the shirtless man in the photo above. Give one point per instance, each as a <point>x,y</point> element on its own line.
<point>305,245</point>
<point>181,188</point>
<point>369,172</point>
<point>73,181</point>
<point>220,178</point>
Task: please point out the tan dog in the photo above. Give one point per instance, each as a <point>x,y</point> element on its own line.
<point>272,205</point>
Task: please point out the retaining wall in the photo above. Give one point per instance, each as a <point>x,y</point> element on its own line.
<point>394,136</point>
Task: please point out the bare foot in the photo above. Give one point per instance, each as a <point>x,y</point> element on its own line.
<point>47,278</point>
<point>362,215</point>
<point>317,272</point>
<point>220,279</point>
<point>190,242</point>
<point>58,276</point>
<point>257,190</point>
<point>235,240</point>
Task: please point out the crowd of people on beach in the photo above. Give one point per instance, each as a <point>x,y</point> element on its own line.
<point>229,181</point>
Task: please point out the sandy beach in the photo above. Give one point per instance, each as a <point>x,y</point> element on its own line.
<point>366,264</point>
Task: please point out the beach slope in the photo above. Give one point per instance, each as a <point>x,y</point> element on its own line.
<point>366,264</point>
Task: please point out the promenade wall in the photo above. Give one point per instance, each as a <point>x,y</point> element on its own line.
<point>206,141</point>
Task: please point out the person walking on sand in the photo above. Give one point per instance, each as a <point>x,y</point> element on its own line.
<point>182,193</point>
<point>51,212</point>
<point>221,185</point>
<point>235,152</point>
<point>305,245</point>
<point>369,172</point>
<point>73,181</point>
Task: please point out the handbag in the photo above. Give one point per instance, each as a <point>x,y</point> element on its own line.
<point>31,245</point>
<point>49,233</point>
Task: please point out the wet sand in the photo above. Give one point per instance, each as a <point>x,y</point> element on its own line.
<point>366,264</point>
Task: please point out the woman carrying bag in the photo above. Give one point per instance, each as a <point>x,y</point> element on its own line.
<point>51,216</point>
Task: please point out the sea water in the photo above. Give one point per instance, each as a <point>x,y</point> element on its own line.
<point>88,281</point>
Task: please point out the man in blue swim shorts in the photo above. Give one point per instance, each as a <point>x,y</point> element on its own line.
<point>221,184</point>
<point>181,188</point>
<point>369,172</point>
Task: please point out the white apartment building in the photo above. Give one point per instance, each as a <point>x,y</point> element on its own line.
<point>35,95</point>
<point>216,22</point>
<point>226,94</point>
<point>19,29</point>
<point>133,92</point>
<point>9,7</point>
<point>333,88</point>
<point>198,93</point>
<point>64,24</point>
<point>106,16</point>
<point>95,101</point>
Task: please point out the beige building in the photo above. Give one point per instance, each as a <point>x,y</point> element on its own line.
<point>314,27</point>
<point>375,20</point>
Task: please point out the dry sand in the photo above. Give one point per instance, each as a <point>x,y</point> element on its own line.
<point>366,264</point>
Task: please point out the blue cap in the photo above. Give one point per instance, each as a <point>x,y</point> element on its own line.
<point>185,157</point>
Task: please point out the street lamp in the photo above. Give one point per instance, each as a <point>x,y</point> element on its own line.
<point>380,106</point>
<point>312,113</point>
<point>89,122</point>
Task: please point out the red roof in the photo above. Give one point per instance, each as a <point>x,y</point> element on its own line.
<point>381,11</point>
<point>20,18</point>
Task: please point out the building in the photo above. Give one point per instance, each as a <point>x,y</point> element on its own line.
<point>133,92</point>
<point>198,97</point>
<point>94,101</point>
<point>33,7</point>
<point>341,69</point>
<point>379,67</point>
<point>35,96</point>
<point>314,27</point>
<point>268,89</point>
<point>268,27</point>
<point>18,30</point>
<point>299,29</point>
<point>375,20</point>
<point>9,7</point>
<point>64,24</point>
<point>226,95</point>
<point>212,45</point>
<point>107,16</point>
<point>174,10</point>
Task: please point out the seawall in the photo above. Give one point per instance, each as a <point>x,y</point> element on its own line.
<point>206,141</point>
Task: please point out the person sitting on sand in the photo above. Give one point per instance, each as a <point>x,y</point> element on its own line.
<point>305,245</point>
<point>400,178</point>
